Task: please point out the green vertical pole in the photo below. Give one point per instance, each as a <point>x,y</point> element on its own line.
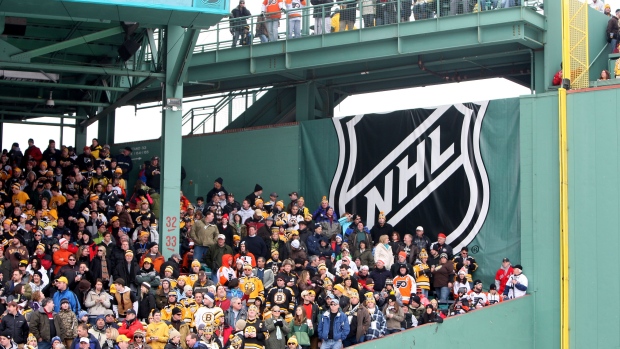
<point>171,148</point>
<point>304,101</point>
<point>553,45</point>
<point>80,133</point>
<point>105,129</point>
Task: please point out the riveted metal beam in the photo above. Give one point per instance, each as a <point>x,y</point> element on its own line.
<point>56,101</point>
<point>39,115</point>
<point>63,86</point>
<point>80,69</point>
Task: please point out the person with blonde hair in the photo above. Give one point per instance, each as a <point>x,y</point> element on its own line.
<point>111,334</point>
<point>383,251</point>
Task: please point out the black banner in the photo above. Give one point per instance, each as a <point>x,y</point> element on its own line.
<point>420,167</point>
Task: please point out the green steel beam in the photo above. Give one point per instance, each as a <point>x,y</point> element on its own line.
<point>26,56</point>
<point>80,69</point>
<point>21,122</point>
<point>186,49</point>
<point>80,131</point>
<point>171,139</point>
<point>57,86</point>
<point>37,115</point>
<point>7,49</point>
<point>56,101</point>
<point>105,129</point>
<point>136,90</point>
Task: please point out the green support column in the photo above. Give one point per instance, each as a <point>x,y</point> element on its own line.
<point>553,45</point>
<point>80,134</point>
<point>305,101</point>
<point>105,130</point>
<point>177,47</point>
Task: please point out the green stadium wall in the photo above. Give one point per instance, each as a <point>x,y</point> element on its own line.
<point>505,325</point>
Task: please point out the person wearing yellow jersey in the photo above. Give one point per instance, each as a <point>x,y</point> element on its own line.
<point>19,197</point>
<point>251,285</point>
<point>193,275</point>
<point>166,312</point>
<point>157,332</point>
<point>422,273</point>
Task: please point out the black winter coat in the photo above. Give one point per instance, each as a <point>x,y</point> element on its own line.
<point>126,272</point>
<point>15,326</point>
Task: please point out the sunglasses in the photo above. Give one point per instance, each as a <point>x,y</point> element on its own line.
<point>99,250</point>
<point>333,304</point>
<point>71,260</point>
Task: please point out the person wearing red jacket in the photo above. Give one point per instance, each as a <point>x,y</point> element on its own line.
<point>130,325</point>
<point>32,153</point>
<point>61,257</point>
<point>502,275</point>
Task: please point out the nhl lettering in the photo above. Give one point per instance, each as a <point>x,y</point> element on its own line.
<point>420,167</point>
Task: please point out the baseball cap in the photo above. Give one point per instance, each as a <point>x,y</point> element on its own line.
<point>84,339</point>
<point>123,338</point>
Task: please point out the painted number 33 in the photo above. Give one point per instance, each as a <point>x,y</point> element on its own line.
<point>171,225</point>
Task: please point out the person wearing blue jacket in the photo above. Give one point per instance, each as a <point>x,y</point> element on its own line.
<point>333,326</point>
<point>64,292</point>
<point>314,241</point>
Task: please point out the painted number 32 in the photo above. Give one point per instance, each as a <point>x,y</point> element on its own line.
<point>171,225</point>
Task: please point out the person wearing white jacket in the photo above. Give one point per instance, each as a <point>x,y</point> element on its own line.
<point>383,251</point>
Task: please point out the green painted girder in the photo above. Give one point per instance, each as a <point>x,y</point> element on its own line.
<point>38,115</point>
<point>105,71</point>
<point>57,86</point>
<point>466,32</point>
<point>56,101</point>
<point>106,11</point>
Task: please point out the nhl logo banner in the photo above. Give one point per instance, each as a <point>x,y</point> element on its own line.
<point>420,167</point>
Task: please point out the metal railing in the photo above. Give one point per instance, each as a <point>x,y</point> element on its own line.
<point>214,113</point>
<point>294,20</point>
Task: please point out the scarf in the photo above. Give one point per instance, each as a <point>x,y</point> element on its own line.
<point>105,275</point>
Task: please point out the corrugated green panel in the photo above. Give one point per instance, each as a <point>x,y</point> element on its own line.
<point>267,156</point>
<point>540,213</point>
<point>506,325</point>
<point>499,146</point>
<point>594,218</point>
<point>318,166</point>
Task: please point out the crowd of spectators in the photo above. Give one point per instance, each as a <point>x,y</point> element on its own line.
<point>80,265</point>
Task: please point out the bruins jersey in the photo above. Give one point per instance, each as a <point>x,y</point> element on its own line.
<point>274,266</point>
<point>188,313</point>
<point>236,341</point>
<point>406,286</point>
<point>282,297</point>
<point>191,279</point>
<point>422,273</point>
<point>258,328</point>
<point>253,287</point>
<point>166,313</point>
<point>213,317</point>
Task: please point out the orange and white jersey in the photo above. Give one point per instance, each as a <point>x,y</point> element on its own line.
<point>272,8</point>
<point>225,274</point>
<point>294,11</point>
<point>405,285</point>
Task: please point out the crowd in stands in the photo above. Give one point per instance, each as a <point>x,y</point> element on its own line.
<point>80,265</point>
<point>330,17</point>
